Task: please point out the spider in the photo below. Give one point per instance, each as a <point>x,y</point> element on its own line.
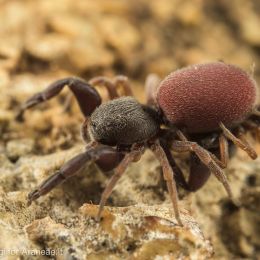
<point>199,109</point>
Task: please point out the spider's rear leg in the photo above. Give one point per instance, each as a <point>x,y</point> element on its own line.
<point>206,158</point>
<point>223,153</point>
<point>223,149</point>
<point>243,144</point>
<point>256,112</point>
<point>199,172</point>
<point>87,97</point>
<point>254,127</point>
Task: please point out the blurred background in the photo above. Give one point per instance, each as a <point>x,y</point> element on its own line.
<point>44,40</point>
<point>133,38</point>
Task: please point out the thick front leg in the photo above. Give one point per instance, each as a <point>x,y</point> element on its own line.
<point>70,168</point>
<point>87,97</point>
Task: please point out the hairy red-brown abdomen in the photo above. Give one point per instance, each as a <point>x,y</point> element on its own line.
<point>201,96</point>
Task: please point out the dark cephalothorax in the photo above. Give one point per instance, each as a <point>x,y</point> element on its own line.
<point>122,121</point>
<point>200,109</point>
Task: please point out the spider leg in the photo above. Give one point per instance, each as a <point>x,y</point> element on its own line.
<point>151,83</point>
<point>87,97</point>
<point>198,174</point>
<point>113,85</point>
<point>110,85</point>
<point>130,157</point>
<point>256,112</point>
<point>243,144</point>
<point>168,175</point>
<point>254,127</point>
<point>205,158</point>
<point>107,83</point>
<point>224,153</point>
<point>250,124</point>
<point>178,174</point>
<point>123,81</point>
<point>69,169</point>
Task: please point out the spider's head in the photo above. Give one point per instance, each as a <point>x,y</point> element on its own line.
<point>107,124</point>
<point>121,121</point>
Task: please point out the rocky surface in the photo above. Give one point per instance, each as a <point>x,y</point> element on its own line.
<point>44,40</point>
